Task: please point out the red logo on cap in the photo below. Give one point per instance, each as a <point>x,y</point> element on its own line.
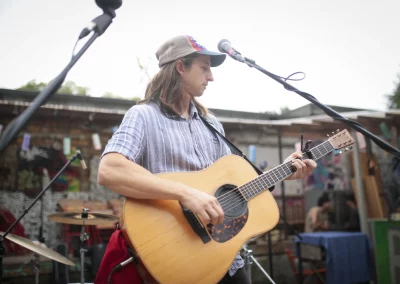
<point>195,44</point>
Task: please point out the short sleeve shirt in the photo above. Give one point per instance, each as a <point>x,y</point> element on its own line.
<point>161,142</point>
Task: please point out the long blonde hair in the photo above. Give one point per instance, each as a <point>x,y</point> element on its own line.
<point>165,87</point>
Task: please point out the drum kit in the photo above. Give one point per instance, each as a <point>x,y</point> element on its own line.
<point>82,219</point>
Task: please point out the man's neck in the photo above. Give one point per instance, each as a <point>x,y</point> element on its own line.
<point>184,107</point>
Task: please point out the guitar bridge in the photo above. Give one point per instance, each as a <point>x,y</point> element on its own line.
<point>196,225</point>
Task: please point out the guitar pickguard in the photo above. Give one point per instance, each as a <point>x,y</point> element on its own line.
<point>229,228</point>
<point>236,214</point>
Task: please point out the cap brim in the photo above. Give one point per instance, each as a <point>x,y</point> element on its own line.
<point>216,57</point>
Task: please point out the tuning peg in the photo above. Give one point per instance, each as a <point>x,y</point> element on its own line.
<point>346,149</point>
<point>337,130</point>
<point>351,147</point>
<point>333,132</point>
<point>340,152</point>
<point>327,135</point>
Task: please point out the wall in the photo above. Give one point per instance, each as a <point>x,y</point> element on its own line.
<point>22,172</point>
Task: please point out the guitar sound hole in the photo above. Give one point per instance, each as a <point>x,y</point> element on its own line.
<point>232,201</point>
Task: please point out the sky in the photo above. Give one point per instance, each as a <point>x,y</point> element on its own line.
<point>348,50</point>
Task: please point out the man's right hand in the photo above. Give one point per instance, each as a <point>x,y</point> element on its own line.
<point>204,205</point>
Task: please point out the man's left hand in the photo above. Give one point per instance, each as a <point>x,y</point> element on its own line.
<point>304,167</point>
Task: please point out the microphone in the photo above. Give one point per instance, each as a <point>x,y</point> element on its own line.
<point>225,46</point>
<point>109,4</point>
<point>108,7</point>
<point>83,164</point>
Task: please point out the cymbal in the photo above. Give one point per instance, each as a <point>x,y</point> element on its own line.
<point>44,251</point>
<point>75,218</point>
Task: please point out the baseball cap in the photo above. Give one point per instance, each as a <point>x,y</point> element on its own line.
<point>183,45</point>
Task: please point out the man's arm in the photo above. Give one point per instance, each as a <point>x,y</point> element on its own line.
<point>131,180</point>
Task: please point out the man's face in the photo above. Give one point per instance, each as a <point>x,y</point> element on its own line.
<point>196,78</point>
<point>326,206</point>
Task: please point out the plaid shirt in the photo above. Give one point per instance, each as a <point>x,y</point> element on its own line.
<point>161,142</point>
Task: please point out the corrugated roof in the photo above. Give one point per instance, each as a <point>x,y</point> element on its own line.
<point>315,119</point>
<point>119,107</point>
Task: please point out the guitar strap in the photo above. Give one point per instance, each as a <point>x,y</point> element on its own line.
<point>233,148</point>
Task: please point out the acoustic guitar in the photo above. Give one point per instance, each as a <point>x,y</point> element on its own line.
<point>171,243</point>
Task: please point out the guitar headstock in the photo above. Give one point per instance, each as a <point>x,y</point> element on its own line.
<point>341,140</point>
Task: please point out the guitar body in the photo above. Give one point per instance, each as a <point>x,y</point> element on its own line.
<point>165,242</point>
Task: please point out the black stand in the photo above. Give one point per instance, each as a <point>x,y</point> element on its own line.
<point>98,26</point>
<point>353,124</point>
<point>329,111</point>
<point>2,249</point>
<point>332,113</point>
<point>41,237</point>
<point>248,258</point>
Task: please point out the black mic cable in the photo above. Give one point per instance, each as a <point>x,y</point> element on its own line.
<point>118,266</point>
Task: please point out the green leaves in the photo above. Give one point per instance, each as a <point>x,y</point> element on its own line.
<point>68,87</point>
<point>394,98</point>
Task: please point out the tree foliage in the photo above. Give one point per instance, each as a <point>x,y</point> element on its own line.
<point>394,98</point>
<point>284,110</point>
<point>69,87</point>
<point>111,95</point>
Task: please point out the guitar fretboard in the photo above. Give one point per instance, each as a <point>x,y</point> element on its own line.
<point>279,173</point>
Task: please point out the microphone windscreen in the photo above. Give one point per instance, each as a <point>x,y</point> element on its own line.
<point>223,44</point>
<point>105,4</point>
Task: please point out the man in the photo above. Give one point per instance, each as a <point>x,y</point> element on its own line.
<point>164,133</point>
<point>317,216</point>
<point>352,223</point>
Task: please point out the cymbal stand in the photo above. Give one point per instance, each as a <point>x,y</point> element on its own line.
<point>83,237</point>
<point>248,258</point>
<point>2,238</point>
<point>36,267</point>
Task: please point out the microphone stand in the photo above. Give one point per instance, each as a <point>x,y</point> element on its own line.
<point>2,249</point>
<point>329,111</point>
<point>332,113</point>
<point>98,26</point>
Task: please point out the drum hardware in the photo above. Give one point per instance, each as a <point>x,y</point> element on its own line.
<point>27,243</point>
<point>38,249</point>
<point>83,219</point>
<point>76,218</point>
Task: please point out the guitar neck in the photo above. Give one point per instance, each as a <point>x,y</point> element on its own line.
<point>280,173</point>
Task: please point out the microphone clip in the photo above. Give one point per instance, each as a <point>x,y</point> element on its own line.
<point>80,157</point>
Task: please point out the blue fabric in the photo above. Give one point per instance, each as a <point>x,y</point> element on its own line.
<point>348,257</point>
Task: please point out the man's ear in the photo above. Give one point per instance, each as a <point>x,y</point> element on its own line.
<point>180,67</point>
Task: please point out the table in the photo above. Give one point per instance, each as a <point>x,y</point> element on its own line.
<point>348,255</point>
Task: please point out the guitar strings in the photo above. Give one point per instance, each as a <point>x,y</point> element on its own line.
<point>255,183</point>
<point>238,199</point>
<point>225,198</point>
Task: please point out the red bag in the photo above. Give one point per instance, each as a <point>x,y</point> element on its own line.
<point>6,219</point>
<point>116,252</point>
